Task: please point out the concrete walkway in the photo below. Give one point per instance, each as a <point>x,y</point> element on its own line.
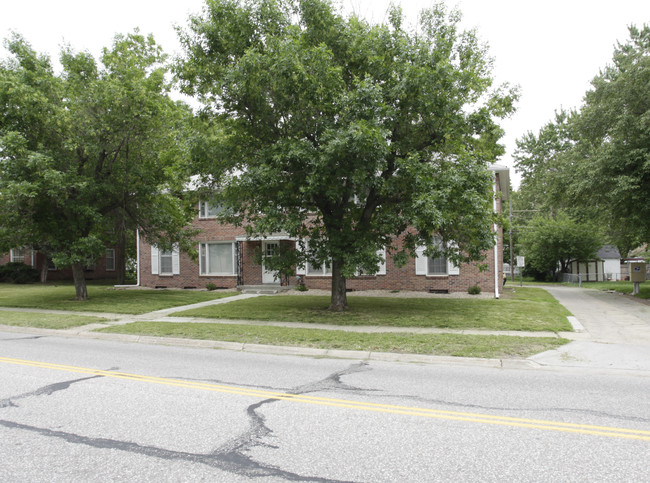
<point>617,331</point>
<point>612,332</point>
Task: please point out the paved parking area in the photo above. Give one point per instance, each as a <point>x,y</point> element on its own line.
<point>617,331</point>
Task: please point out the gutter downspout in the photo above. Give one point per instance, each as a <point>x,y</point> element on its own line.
<point>496,245</point>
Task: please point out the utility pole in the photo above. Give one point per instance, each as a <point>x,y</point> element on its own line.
<point>512,267</point>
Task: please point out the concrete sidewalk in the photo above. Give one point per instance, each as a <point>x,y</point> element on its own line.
<point>617,331</point>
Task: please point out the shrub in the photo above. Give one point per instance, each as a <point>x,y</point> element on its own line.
<point>210,286</point>
<point>474,290</point>
<point>16,272</point>
<point>301,288</point>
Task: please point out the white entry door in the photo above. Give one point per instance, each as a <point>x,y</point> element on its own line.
<point>269,248</point>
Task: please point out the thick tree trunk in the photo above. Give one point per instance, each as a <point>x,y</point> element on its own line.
<point>43,271</point>
<point>79,281</point>
<point>339,301</point>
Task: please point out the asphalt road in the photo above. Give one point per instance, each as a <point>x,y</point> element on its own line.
<point>96,410</point>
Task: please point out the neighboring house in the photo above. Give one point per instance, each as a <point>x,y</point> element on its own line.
<point>104,268</point>
<point>606,266</point>
<point>227,259</point>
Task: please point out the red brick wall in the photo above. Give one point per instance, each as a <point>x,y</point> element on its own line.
<point>189,276</point>
<point>98,273</point>
<point>403,278</point>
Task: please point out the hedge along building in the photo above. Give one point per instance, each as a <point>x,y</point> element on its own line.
<point>230,259</point>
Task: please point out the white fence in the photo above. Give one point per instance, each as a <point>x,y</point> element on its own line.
<point>578,278</point>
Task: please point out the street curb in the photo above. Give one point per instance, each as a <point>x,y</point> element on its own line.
<point>282,350</point>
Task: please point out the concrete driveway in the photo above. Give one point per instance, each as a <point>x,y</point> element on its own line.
<point>616,336</point>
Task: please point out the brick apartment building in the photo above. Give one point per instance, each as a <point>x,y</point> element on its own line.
<point>104,268</point>
<point>227,258</point>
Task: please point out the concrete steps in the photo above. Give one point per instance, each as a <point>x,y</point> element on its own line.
<point>267,289</point>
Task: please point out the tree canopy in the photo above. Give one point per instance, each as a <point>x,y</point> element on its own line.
<point>90,152</point>
<point>595,162</point>
<point>550,244</point>
<point>343,134</point>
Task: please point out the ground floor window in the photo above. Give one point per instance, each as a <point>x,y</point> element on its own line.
<point>20,255</point>
<point>437,265</point>
<point>163,262</point>
<point>110,260</point>
<point>166,262</point>
<point>217,258</point>
<point>325,269</point>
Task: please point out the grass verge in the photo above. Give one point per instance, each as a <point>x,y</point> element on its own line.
<point>483,346</point>
<point>46,321</point>
<point>101,298</point>
<point>622,287</point>
<point>527,309</point>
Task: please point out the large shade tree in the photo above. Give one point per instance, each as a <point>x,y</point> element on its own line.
<point>550,244</point>
<point>614,138</point>
<point>89,153</point>
<point>347,136</point>
<point>595,162</point>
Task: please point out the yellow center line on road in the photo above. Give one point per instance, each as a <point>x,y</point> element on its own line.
<point>350,404</point>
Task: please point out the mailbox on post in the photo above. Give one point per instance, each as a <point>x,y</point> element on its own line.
<point>637,271</point>
<point>637,275</point>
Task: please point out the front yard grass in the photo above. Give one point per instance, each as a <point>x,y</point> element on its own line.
<point>46,321</point>
<point>622,287</point>
<point>101,298</point>
<point>483,346</point>
<point>527,309</point>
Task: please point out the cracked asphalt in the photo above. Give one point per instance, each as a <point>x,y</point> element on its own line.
<point>78,407</point>
<point>95,410</point>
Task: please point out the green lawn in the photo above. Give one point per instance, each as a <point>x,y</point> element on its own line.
<point>101,298</point>
<point>46,321</point>
<point>622,287</point>
<point>484,346</point>
<point>525,309</point>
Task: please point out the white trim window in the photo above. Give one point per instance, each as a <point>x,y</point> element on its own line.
<point>166,266</point>
<point>110,259</point>
<point>439,266</point>
<point>217,258</point>
<point>22,255</point>
<point>165,262</point>
<point>311,270</point>
<point>209,210</point>
<point>323,271</point>
<point>381,269</point>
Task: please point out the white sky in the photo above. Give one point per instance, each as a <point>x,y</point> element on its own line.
<point>550,49</point>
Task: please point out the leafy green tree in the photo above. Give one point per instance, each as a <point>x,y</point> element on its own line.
<point>595,162</point>
<point>551,243</point>
<point>544,161</point>
<point>343,134</point>
<point>90,153</point>
<point>614,134</point>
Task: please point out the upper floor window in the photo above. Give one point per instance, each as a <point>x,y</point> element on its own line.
<point>208,209</point>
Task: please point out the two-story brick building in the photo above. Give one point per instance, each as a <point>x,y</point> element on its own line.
<point>227,258</point>
<point>104,268</point>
